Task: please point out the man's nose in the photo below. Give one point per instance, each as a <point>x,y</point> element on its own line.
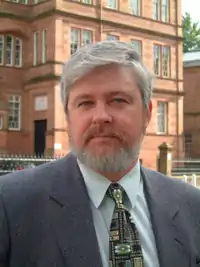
<point>101,114</point>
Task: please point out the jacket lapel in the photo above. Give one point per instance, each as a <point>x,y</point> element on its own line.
<point>71,216</point>
<point>170,235</point>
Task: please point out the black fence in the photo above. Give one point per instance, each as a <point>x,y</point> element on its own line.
<point>12,163</point>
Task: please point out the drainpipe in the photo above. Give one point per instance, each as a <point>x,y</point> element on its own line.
<point>177,84</point>
<point>100,18</point>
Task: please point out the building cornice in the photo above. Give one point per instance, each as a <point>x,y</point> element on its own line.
<point>102,21</point>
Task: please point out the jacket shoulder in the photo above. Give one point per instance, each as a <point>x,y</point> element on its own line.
<point>35,179</point>
<point>185,190</point>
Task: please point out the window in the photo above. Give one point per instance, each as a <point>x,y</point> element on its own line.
<point>1,49</point>
<point>165,11</point>
<point>14,112</point>
<point>162,110</point>
<point>35,48</point>
<point>112,4</point>
<point>24,2</point>
<point>10,51</point>
<point>86,37</point>
<point>75,40</point>
<point>161,10</point>
<point>88,2</point>
<point>111,37</point>
<point>18,52</point>
<point>137,45</point>
<point>1,122</point>
<point>188,145</point>
<point>157,59</point>
<point>44,46</point>
<point>80,38</point>
<point>156,9</point>
<point>162,60</point>
<point>165,61</point>
<point>135,7</point>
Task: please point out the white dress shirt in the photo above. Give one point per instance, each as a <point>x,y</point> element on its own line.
<point>103,207</point>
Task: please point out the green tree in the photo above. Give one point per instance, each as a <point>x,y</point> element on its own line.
<point>191,33</point>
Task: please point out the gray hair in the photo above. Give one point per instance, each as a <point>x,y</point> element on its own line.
<point>103,53</point>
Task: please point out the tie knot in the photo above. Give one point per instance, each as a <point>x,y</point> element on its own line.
<point>116,192</point>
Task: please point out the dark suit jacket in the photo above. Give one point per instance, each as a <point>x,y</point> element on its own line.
<point>46,220</point>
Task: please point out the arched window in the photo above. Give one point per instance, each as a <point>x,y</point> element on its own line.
<point>10,51</point>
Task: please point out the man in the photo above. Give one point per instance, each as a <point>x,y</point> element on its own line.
<point>97,207</point>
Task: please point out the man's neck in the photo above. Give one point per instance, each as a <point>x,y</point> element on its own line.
<point>115,177</point>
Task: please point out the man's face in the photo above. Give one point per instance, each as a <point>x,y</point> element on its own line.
<point>107,118</point>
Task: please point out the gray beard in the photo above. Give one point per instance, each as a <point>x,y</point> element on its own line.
<point>111,163</point>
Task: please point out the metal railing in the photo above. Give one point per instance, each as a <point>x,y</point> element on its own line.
<point>191,179</point>
<point>184,169</point>
<point>187,170</point>
<point>185,166</point>
<point>11,163</point>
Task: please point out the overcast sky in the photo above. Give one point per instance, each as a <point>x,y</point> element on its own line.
<point>192,7</point>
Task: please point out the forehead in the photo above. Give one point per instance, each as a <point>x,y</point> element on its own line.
<point>106,80</point>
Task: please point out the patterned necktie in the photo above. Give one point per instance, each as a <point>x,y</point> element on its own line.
<point>125,248</point>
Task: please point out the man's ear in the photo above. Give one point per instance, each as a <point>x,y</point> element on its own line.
<point>148,113</point>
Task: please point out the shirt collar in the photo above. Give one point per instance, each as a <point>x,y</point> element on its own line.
<point>97,184</point>
<point>131,183</point>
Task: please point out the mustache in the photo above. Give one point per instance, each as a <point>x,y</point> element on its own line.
<point>97,132</point>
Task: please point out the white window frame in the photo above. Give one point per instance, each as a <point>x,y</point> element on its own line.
<point>137,45</point>
<point>112,4</point>
<point>44,46</point>
<point>135,6</point>
<point>1,122</point>
<point>165,11</point>
<point>2,41</point>
<point>165,61</point>
<point>35,48</point>
<point>156,9</point>
<point>162,118</point>
<point>24,3</point>
<point>111,37</point>
<point>75,41</point>
<point>86,34</point>
<point>12,100</point>
<point>11,50</point>
<point>20,52</point>
<point>78,38</point>
<point>157,59</point>
<point>87,2</point>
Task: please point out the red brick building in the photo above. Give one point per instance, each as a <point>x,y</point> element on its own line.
<point>191,63</point>
<point>37,36</point>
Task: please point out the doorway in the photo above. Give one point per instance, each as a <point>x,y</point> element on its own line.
<point>40,127</point>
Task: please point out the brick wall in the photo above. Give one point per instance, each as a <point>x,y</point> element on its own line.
<point>27,80</point>
<point>191,107</point>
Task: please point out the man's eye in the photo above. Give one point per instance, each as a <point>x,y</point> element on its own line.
<point>119,100</point>
<point>85,103</point>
